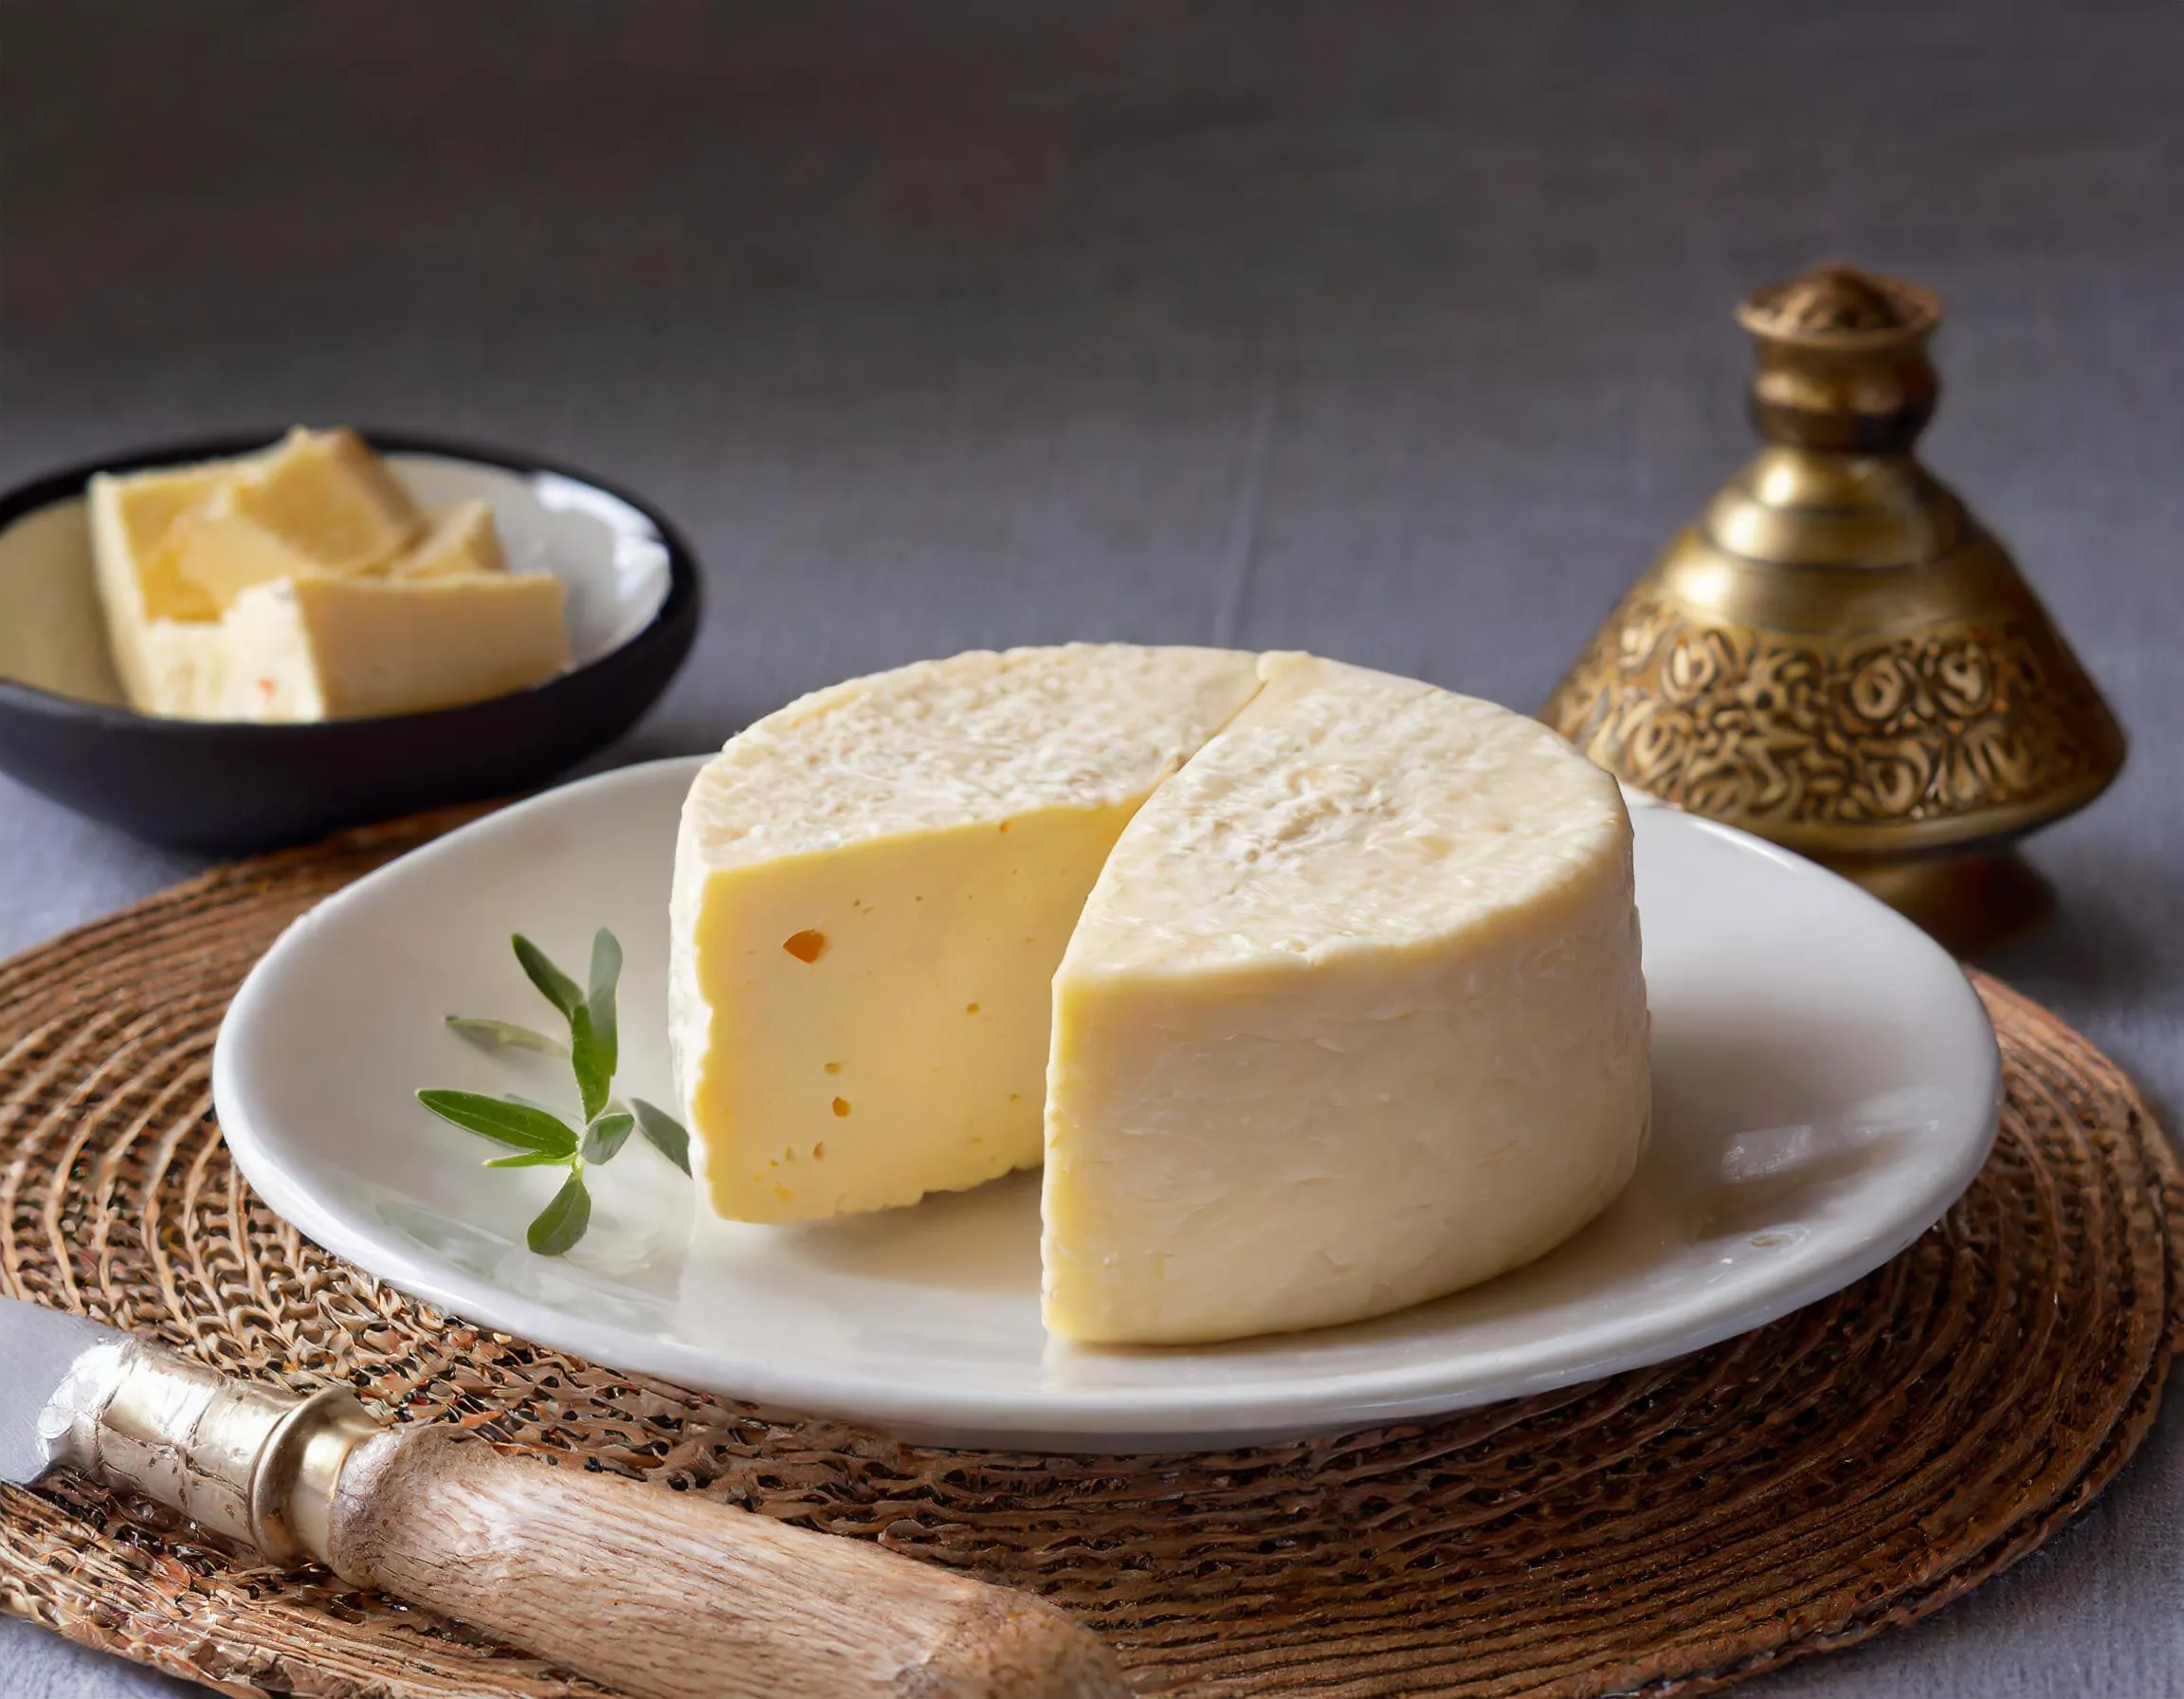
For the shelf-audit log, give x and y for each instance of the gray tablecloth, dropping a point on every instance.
(1398, 332)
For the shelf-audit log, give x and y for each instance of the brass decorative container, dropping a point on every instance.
(1838, 655)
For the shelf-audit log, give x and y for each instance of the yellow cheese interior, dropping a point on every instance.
(344, 648)
(460, 539)
(222, 554)
(328, 497)
(872, 891)
(880, 1012)
(131, 518)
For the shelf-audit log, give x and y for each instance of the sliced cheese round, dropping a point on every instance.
(872, 889)
(1353, 1017)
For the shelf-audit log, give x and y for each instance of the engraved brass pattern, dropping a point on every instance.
(1769, 730)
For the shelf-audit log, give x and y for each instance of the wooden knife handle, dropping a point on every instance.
(664, 1595)
(672, 1596)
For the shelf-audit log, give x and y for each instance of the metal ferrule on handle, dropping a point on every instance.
(253, 1463)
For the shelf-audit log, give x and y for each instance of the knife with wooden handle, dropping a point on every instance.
(663, 1594)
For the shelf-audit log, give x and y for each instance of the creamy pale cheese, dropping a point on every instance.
(1354, 1017)
(325, 495)
(1329, 990)
(138, 585)
(303, 583)
(462, 539)
(872, 889)
(222, 554)
(342, 648)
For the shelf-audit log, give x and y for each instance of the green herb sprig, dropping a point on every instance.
(538, 1137)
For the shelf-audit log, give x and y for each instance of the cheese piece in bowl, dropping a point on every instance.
(1325, 984)
(462, 539)
(304, 583)
(323, 647)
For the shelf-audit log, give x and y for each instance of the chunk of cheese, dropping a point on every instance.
(1353, 1017)
(183, 670)
(130, 515)
(462, 539)
(872, 889)
(222, 555)
(343, 649)
(327, 496)
(295, 584)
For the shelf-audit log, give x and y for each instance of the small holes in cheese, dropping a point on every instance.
(806, 945)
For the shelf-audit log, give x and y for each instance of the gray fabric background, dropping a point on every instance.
(1398, 332)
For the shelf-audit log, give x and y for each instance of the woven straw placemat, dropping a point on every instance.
(1671, 1530)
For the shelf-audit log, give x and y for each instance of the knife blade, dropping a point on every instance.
(664, 1595)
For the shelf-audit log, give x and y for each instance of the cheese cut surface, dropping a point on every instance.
(327, 496)
(460, 539)
(224, 554)
(131, 516)
(1353, 1017)
(872, 889)
(342, 648)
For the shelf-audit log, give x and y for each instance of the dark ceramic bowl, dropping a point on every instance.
(230, 788)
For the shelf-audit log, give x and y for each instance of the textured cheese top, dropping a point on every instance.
(1342, 807)
(976, 737)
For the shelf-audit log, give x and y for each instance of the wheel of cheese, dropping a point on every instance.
(1317, 990)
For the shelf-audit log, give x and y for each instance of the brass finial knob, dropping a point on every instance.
(1838, 655)
(1842, 360)
(1839, 306)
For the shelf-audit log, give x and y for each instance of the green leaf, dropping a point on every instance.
(663, 1133)
(593, 1044)
(607, 1135)
(554, 985)
(561, 1223)
(497, 1034)
(529, 1158)
(518, 1124)
(594, 1075)
(599, 1000)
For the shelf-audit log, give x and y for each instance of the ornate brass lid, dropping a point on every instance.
(1838, 655)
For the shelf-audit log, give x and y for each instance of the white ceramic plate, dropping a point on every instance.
(1825, 1085)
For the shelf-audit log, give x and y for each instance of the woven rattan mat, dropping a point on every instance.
(1853, 1467)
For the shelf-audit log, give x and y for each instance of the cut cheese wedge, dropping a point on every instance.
(222, 555)
(327, 496)
(325, 647)
(460, 539)
(1353, 1017)
(872, 889)
(139, 583)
